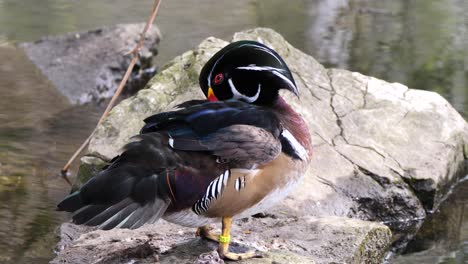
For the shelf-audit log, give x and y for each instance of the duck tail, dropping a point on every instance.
(131, 191)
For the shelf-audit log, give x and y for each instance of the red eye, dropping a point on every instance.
(218, 79)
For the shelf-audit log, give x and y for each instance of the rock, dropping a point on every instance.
(88, 66)
(89, 166)
(69, 232)
(442, 234)
(382, 152)
(315, 240)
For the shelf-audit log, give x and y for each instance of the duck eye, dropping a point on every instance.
(218, 79)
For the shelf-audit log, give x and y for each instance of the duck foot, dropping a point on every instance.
(225, 245)
(205, 232)
(238, 251)
(239, 256)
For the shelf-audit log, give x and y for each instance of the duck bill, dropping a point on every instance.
(211, 96)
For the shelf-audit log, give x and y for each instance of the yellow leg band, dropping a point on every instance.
(224, 239)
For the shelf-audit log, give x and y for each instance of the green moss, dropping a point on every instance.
(89, 167)
(373, 247)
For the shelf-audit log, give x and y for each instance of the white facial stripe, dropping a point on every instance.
(298, 148)
(273, 70)
(291, 84)
(253, 67)
(254, 46)
(211, 72)
(237, 95)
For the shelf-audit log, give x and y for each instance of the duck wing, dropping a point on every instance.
(240, 134)
(172, 163)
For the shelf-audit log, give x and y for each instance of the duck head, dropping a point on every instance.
(248, 71)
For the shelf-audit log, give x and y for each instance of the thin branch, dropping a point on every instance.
(136, 55)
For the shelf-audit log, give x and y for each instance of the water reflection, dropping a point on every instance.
(39, 129)
(421, 43)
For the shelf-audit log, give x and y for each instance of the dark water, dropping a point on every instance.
(422, 43)
(443, 237)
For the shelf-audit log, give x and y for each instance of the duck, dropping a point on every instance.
(232, 155)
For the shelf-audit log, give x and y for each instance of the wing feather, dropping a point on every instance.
(242, 134)
(173, 161)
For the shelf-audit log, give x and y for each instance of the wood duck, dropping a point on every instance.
(231, 156)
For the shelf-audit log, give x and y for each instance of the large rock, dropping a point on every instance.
(89, 65)
(313, 240)
(382, 152)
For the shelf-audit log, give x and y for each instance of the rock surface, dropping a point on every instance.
(383, 152)
(88, 66)
(314, 240)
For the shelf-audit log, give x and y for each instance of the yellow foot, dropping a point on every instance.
(224, 242)
(205, 232)
(239, 256)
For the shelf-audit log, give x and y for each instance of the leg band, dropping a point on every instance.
(224, 239)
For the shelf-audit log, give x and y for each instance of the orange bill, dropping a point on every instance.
(211, 95)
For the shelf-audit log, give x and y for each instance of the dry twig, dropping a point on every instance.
(136, 55)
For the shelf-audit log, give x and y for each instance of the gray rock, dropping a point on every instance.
(383, 152)
(88, 66)
(89, 166)
(313, 240)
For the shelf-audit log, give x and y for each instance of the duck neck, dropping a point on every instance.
(293, 122)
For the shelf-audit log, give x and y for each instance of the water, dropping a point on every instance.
(443, 237)
(422, 43)
(38, 130)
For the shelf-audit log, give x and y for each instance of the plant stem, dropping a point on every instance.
(136, 55)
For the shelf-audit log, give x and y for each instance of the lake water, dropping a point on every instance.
(421, 43)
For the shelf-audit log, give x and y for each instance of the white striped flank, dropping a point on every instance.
(212, 188)
(240, 183)
(298, 148)
(213, 192)
(226, 177)
(219, 185)
(237, 184)
(237, 95)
